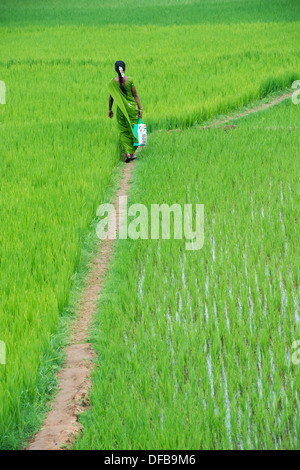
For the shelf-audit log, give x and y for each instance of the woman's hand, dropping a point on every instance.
(110, 114)
(141, 113)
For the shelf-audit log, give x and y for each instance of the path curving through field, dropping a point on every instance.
(62, 424)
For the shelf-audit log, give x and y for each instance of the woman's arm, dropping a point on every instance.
(135, 95)
(110, 103)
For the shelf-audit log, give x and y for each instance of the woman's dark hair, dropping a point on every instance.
(121, 64)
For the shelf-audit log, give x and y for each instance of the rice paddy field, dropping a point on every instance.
(194, 348)
(199, 343)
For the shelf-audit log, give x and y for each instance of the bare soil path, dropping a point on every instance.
(256, 109)
(248, 111)
(62, 424)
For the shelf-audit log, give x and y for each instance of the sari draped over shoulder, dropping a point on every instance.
(127, 113)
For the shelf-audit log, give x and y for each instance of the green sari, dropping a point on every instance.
(127, 113)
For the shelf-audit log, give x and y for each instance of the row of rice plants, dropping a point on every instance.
(158, 12)
(183, 74)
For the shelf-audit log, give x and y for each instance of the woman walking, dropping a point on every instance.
(129, 109)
